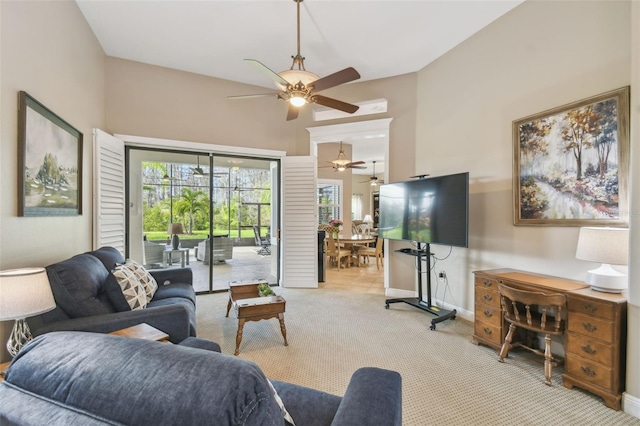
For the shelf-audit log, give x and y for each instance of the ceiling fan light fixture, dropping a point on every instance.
(374, 183)
(341, 168)
(295, 77)
(297, 101)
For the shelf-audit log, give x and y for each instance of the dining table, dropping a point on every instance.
(355, 241)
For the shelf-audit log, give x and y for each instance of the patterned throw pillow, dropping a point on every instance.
(132, 289)
(148, 282)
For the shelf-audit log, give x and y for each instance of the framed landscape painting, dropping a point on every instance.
(571, 163)
(49, 162)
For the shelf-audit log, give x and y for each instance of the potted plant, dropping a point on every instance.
(265, 290)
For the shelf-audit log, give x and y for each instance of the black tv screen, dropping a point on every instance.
(431, 210)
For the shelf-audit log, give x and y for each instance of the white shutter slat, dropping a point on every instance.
(109, 191)
(299, 229)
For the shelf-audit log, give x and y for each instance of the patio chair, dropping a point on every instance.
(263, 243)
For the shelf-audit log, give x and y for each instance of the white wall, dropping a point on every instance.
(538, 56)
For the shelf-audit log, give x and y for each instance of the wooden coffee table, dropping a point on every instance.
(250, 308)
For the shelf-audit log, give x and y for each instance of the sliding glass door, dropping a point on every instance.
(219, 207)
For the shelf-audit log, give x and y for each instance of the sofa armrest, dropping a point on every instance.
(198, 343)
(374, 396)
(172, 276)
(172, 319)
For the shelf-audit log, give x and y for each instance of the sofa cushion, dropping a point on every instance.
(172, 301)
(184, 291)
(109, 256)
(77, 286)
(127, 381)
(148, 282)
(132, 289)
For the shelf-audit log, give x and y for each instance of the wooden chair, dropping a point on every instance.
(366, 252)
(334, 251)
(532, 311)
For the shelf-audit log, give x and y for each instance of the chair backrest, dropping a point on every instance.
(332, 233)
(256, 235)
(533, 310)
(379, 244)
(360, 229)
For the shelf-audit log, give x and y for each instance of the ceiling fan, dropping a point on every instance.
(198, 172)
(300, 86)
(341, 163)
(373, 180)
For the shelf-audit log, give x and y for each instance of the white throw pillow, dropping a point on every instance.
(146, 279)
(131, 287)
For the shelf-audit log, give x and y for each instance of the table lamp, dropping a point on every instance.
(369, 221)
(608, 246)
(23, 293)
(174, 230)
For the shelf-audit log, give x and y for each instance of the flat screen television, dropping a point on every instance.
(432, 210)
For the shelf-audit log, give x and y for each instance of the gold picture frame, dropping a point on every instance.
(571, 163)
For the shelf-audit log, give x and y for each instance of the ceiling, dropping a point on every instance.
(212, 37)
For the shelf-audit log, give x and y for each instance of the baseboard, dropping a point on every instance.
(398, 293)
(631, 404)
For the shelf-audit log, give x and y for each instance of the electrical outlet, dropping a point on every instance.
(442, 276)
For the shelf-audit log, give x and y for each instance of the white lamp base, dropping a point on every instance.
(606, 279)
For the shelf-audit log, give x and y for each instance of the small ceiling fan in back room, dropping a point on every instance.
(373, 180)
(341, 163)
(300, 86)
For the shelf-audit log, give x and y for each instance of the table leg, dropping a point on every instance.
(229, 303)
(239, 335)
(186, 253)
(283, 328)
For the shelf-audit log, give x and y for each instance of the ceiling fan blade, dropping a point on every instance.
(292, 112)
(256, 95)
(335, 79)
(355, 163)
(268, 72)
(356, 167)
(334, 103)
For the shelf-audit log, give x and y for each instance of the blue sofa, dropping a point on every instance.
(68, 378)
(88, 298)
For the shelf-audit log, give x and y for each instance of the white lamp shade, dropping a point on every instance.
(608, 246)
(367, 219)
(603, 245)
(24, 293)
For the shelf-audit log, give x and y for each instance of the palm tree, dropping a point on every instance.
(191, 203)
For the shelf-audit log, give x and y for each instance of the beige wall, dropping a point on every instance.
(48, 51)
(538, 56)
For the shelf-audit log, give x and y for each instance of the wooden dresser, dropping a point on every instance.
(596, 328)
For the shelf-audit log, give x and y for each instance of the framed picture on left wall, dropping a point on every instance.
(49, 162)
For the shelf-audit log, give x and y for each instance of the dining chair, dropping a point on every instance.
(334, 251)
(536, 312)
(366, 252)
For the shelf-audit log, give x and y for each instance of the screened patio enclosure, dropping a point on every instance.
(217, 200)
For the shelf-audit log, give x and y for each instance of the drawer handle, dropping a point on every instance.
(488, 314)
(487, 330)
(487, 283)
(488, 298)
(589, 327)
(588, 349)
(589, 308)
(589, 372)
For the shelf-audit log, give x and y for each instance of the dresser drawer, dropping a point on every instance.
(591, 327)
(592, 308)
(592, 350)
(489, 314)
(486, 283)
(488, 296)
(588, 371)
(488, 331)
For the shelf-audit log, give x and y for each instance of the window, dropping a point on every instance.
(356, 207)
(329, 200)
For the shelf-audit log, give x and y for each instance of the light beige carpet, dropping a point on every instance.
(447, 380)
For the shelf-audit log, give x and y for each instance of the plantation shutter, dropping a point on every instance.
(298, 236)
(108, 191)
